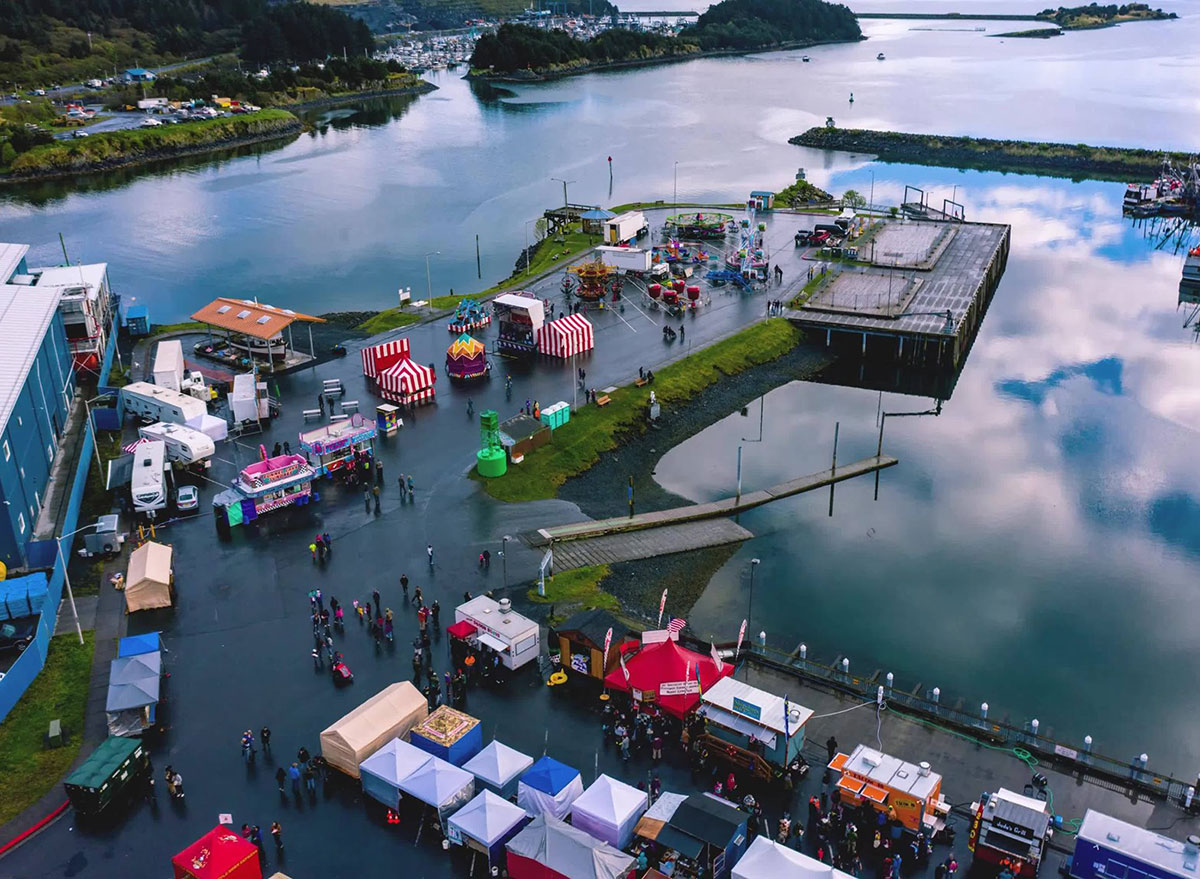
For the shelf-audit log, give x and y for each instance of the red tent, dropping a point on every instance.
(218, 854)
(665, 674)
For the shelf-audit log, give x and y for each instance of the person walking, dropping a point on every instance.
(177, 781)
(418, 598)
(310, 780)
(294, 775)
(264, 736)
(277, 835)
(429, 552)
(281, 780)
(378, 472)
(404, 586)
(169, 778)
(312, 547)
(831, 745)
(316, 658)
(367, 499)
(410, 486)
(375, 494)
(328, 549)
(375, 599)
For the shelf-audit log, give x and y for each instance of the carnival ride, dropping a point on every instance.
(469, 315)
(466, 358)
(675, 252)
(749, 262)
(595, 280)
(699, 225)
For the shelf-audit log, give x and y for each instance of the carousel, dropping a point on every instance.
(594, 280)
(706, 225)
(469, 315)
(466, 359)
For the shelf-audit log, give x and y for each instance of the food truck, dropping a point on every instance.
(913, 793)
(519, 315)
(272, 483)
(751, 727)
(499, 629)
(1106, 847)
(1010, 830)
(337, 445)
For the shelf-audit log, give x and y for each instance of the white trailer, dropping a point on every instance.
(184, 444)
(248, 399)
(148, 483)
(627, 259)
(168, 364)
(626, 227)
(152, 403)
(501, 630)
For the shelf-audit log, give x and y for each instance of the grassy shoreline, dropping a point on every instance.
(1077, 161)
(592, 430)
(116, 149)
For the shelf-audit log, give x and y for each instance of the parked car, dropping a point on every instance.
(818, 238)
(79, 132)
(187, 499)
(17, 634)
(150, 122)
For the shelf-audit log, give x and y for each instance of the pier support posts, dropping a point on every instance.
(890, 680)
(983, 710)
(846, 667)
(936, 696)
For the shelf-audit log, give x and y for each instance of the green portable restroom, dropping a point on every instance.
(106, 774)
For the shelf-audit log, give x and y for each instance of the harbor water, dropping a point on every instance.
(1038, 545)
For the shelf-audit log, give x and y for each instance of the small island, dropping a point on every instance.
(520, 52)
(1073, 18)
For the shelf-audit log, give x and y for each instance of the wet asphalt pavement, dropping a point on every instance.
(239, 636)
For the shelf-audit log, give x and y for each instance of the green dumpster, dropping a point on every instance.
(108, 773)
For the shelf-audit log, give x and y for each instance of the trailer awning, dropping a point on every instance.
(874, 794)
(852, 785)
(489, 640)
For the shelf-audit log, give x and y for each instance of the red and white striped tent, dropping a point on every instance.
(377, 358)
(566, 336)
(406, 382)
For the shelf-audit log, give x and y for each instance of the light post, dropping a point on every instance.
(675, 188)
(66, 578)
(871, 204)
(564, 183)
(504, 558)
(428, 280)
(528, 260)
(754, 563)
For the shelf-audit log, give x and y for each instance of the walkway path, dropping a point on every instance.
(713, 509)
(624, 547)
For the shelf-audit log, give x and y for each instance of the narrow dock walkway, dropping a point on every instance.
(608, 549)
(713, 509)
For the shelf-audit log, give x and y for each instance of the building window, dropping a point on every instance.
(21, 522)
(7, 451)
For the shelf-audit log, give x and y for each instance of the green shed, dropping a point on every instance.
(106, 774)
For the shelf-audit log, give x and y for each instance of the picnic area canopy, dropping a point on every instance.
(387, 715)
(550, 849)
(382, 772)
(148, 577)
(251, 318)
(218, 854)
(608, 810)
(665, 674)
(549, 787)
(498, 765)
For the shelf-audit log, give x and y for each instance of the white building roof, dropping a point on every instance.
(1136, 842)
(10, 257)
(723, 692)
(25, 315)
(891, 772)
(485, 611)
(71, 278)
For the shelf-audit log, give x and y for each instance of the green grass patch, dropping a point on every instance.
(182, 327)
(579, 586)
(139, 144)
(27, 768)
(593, 430)
(391, 319)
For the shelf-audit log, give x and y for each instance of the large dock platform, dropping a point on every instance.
(916, 295)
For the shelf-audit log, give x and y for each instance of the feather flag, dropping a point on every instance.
(624, 670)
(716, 656)
(662, 604)
(741, 634)
(607, 644)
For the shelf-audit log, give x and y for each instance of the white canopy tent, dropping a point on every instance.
(498, 766)
(439, 784)
(549, 787)
(383, 771)
(549, 844)
(608, 810)
(488, 820)
(770, 860)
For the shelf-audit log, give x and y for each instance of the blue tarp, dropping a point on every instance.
(135, 645)
(549, 776)
(22, 596)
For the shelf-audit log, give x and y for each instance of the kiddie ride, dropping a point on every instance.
(699, 225)
(676, 296)
(595, 279)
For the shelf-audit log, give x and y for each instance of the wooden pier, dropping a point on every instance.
(623, 525)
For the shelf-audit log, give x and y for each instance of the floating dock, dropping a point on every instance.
(916, 294)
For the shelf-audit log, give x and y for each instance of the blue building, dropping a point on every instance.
(1108, 848)
(139, 74)
(37, 384)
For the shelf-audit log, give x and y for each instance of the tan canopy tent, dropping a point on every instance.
(387, 715)
(148, 581)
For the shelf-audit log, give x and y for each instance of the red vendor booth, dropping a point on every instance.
(218, 854)
(666, 675)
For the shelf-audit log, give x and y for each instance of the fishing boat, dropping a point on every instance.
(805, 58)
(1191, 268)
(879, 57)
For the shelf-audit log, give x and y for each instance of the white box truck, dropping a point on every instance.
(184, 444)
(626, 227)
(148, 482)
(168, 364)
(627, 259)
(151, 403)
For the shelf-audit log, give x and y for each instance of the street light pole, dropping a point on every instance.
(67, 579)
(871, 206)
(428, 280)
(675, 188)
(754, 563)
(564, 183)
(504, 558)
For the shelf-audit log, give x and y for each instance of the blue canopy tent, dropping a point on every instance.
(135, 645)
(549, 787)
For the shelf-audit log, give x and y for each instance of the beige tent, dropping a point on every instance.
(387, 715)
(149, 578)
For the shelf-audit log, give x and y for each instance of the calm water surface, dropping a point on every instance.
(1039, 545)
